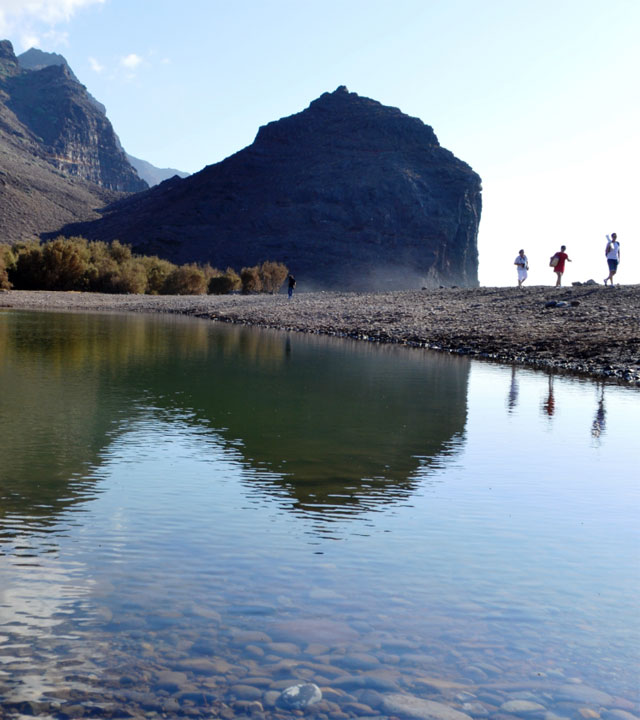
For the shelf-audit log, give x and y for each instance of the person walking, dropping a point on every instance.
(612, 253)
(557, 263)
(291, 285)
(523, 265)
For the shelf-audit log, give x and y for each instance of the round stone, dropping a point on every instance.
(298, 697)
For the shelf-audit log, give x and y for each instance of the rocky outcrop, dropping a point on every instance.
(55, 111)
(348, 193)
(34, 59)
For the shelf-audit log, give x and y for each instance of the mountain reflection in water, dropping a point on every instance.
(193, 515)
(329, 430)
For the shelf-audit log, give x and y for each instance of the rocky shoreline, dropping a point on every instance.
(586, 330)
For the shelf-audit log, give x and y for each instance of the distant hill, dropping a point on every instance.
(348, 193)
(154, 175)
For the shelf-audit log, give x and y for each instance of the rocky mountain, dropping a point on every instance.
(35, 196)
(55, 111)
(348, 193)
(34, 59)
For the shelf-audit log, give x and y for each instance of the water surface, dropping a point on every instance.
(194, 517)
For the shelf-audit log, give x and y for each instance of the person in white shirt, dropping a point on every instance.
(612, 252)
(523, 265)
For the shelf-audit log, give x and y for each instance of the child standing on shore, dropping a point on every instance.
(557, 263)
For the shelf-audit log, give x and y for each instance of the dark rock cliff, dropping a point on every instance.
(36, 197)
(348, 193)
(56, 112)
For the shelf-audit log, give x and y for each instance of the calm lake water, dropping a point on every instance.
(194, 517)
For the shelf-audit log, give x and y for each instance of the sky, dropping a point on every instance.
(540, 97)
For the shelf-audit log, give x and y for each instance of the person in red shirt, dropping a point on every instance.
(559, 267)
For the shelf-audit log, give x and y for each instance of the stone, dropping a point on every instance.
(440, 684)
(170, 680)
(246, 692)
(298, 697)
(620, 715)
(583, 693)
(357, 661)
(589, 713)
(522, 707)
(415, 707)
(475, 709)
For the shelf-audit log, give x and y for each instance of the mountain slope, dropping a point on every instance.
(348, 193)
(59, 157)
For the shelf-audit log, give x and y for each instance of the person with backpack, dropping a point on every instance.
(557, 262)
(612, 253)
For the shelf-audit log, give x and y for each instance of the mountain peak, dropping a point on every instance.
(346, 118)
(8, 61)
(35, 59)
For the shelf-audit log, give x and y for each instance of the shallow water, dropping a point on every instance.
(194, 517)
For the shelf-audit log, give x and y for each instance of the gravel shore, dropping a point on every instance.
(591, 330)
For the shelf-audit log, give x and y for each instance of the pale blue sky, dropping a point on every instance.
(540, 97)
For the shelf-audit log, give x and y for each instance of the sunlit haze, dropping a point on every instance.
(539, 97)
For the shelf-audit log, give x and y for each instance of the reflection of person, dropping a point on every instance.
(291, 285)
(612, 253)
(597, 428)
(512, 398)
(558, 268)
(523, 265)
(549, 405)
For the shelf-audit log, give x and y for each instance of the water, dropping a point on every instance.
(194, 517)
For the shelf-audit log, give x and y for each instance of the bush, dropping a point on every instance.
(273, 274)
(158, 271)
(7, 262)
(28, 272)
(60, 264)
(225, 283)
(185, 280)
(120, 253)
(251, 280)
(129, 277)
(66, 263)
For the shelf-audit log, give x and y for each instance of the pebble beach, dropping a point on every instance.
(587, 330)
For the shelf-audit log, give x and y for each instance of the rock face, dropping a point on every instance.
(35, 196)
(348, 193)
(55, 111)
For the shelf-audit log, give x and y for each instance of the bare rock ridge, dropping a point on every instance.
(34, 59)
(57, 112)
(35, 195)
(349, 193)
